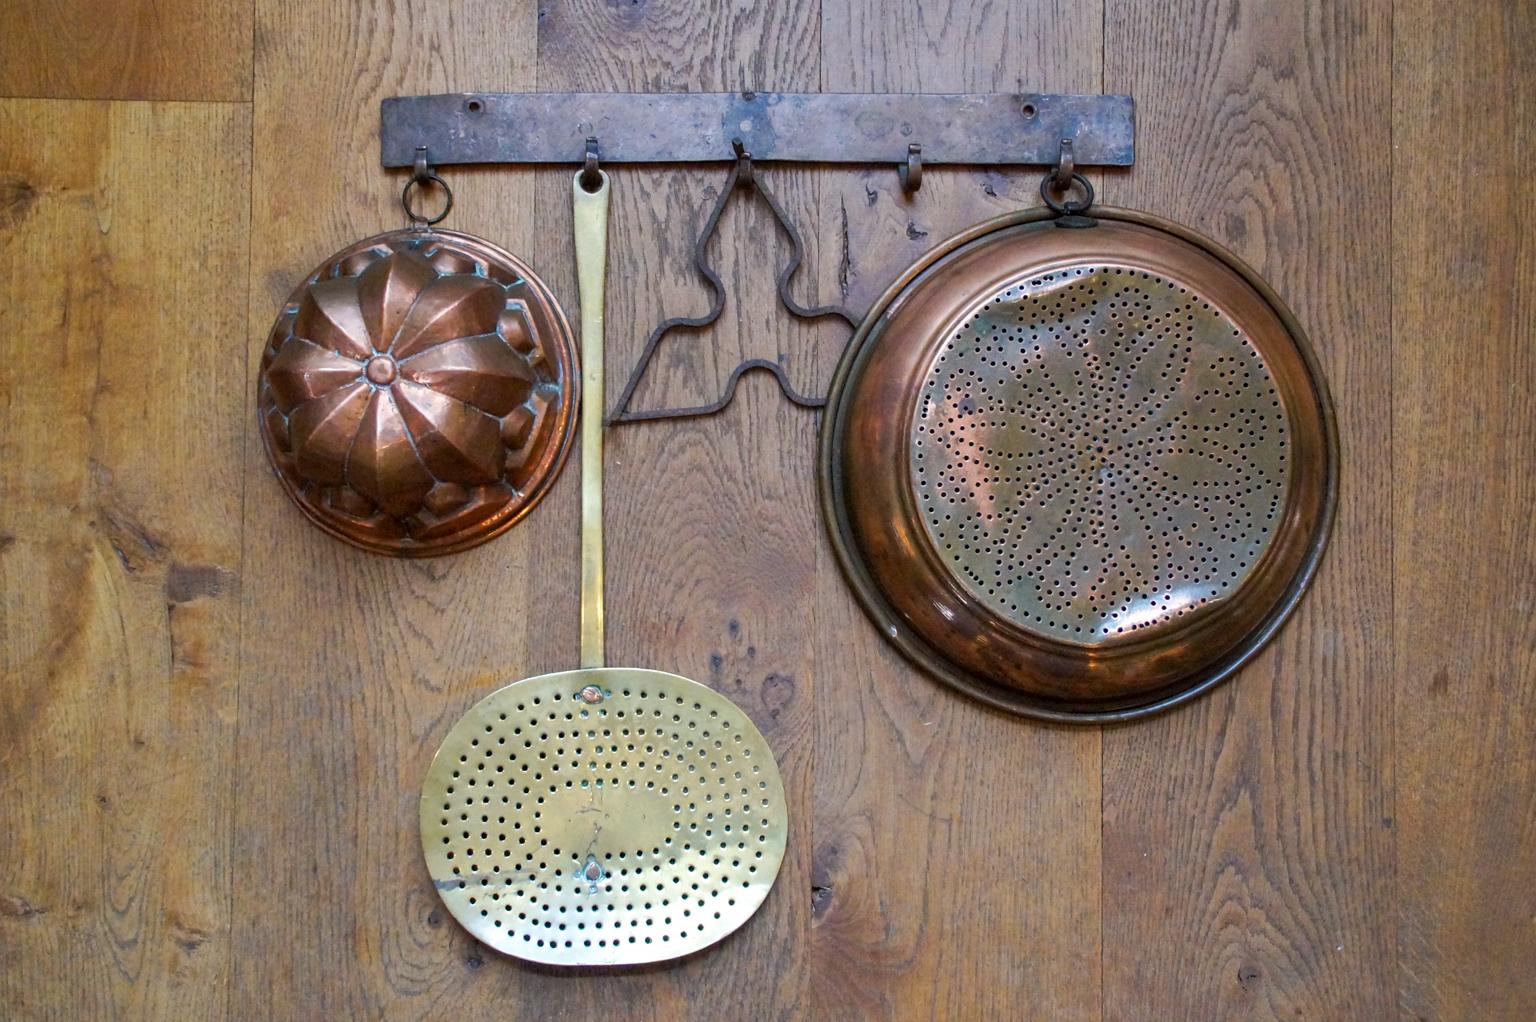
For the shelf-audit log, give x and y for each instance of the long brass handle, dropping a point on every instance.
(590, 216)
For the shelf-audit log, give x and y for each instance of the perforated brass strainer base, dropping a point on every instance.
(608, 816)
(1099, 451)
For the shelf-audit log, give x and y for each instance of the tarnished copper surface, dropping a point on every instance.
(1082, 473)
(418, 392)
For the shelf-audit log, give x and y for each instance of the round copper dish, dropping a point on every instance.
(1081, 470)
(418, 392)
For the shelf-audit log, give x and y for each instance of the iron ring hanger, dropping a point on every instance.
(423, 177)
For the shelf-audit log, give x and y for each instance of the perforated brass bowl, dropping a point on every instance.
(1080, 472)
(607, 816)
(418, 392)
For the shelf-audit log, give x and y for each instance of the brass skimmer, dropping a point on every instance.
(608, 815)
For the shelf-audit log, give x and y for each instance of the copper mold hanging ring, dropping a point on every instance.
(417, 394)
(1079, 465)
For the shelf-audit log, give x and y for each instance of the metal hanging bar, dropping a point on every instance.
(911, 131)
(989, 129)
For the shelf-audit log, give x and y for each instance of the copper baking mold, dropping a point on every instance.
(418, 392)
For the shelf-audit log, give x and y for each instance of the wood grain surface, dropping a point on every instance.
(1268, 127)
(121, 423)
(956, 856)
(214, 720)
(1464, 490)
(127, 49)
(355, 664)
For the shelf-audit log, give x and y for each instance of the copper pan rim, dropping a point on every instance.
(923, 654)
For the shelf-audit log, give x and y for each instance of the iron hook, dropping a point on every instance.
(423, 176)
(591, 176)
(743, 163)
(1066, 167)
(911, 172)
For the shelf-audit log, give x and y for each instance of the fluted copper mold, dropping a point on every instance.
(418, 392)
(1079, 472)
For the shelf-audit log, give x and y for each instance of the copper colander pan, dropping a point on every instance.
(1082, 472)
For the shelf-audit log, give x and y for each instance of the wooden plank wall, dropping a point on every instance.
(214, 720)
(1464, 555)
(123, 242)
(957, 859)
(1261, 818)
